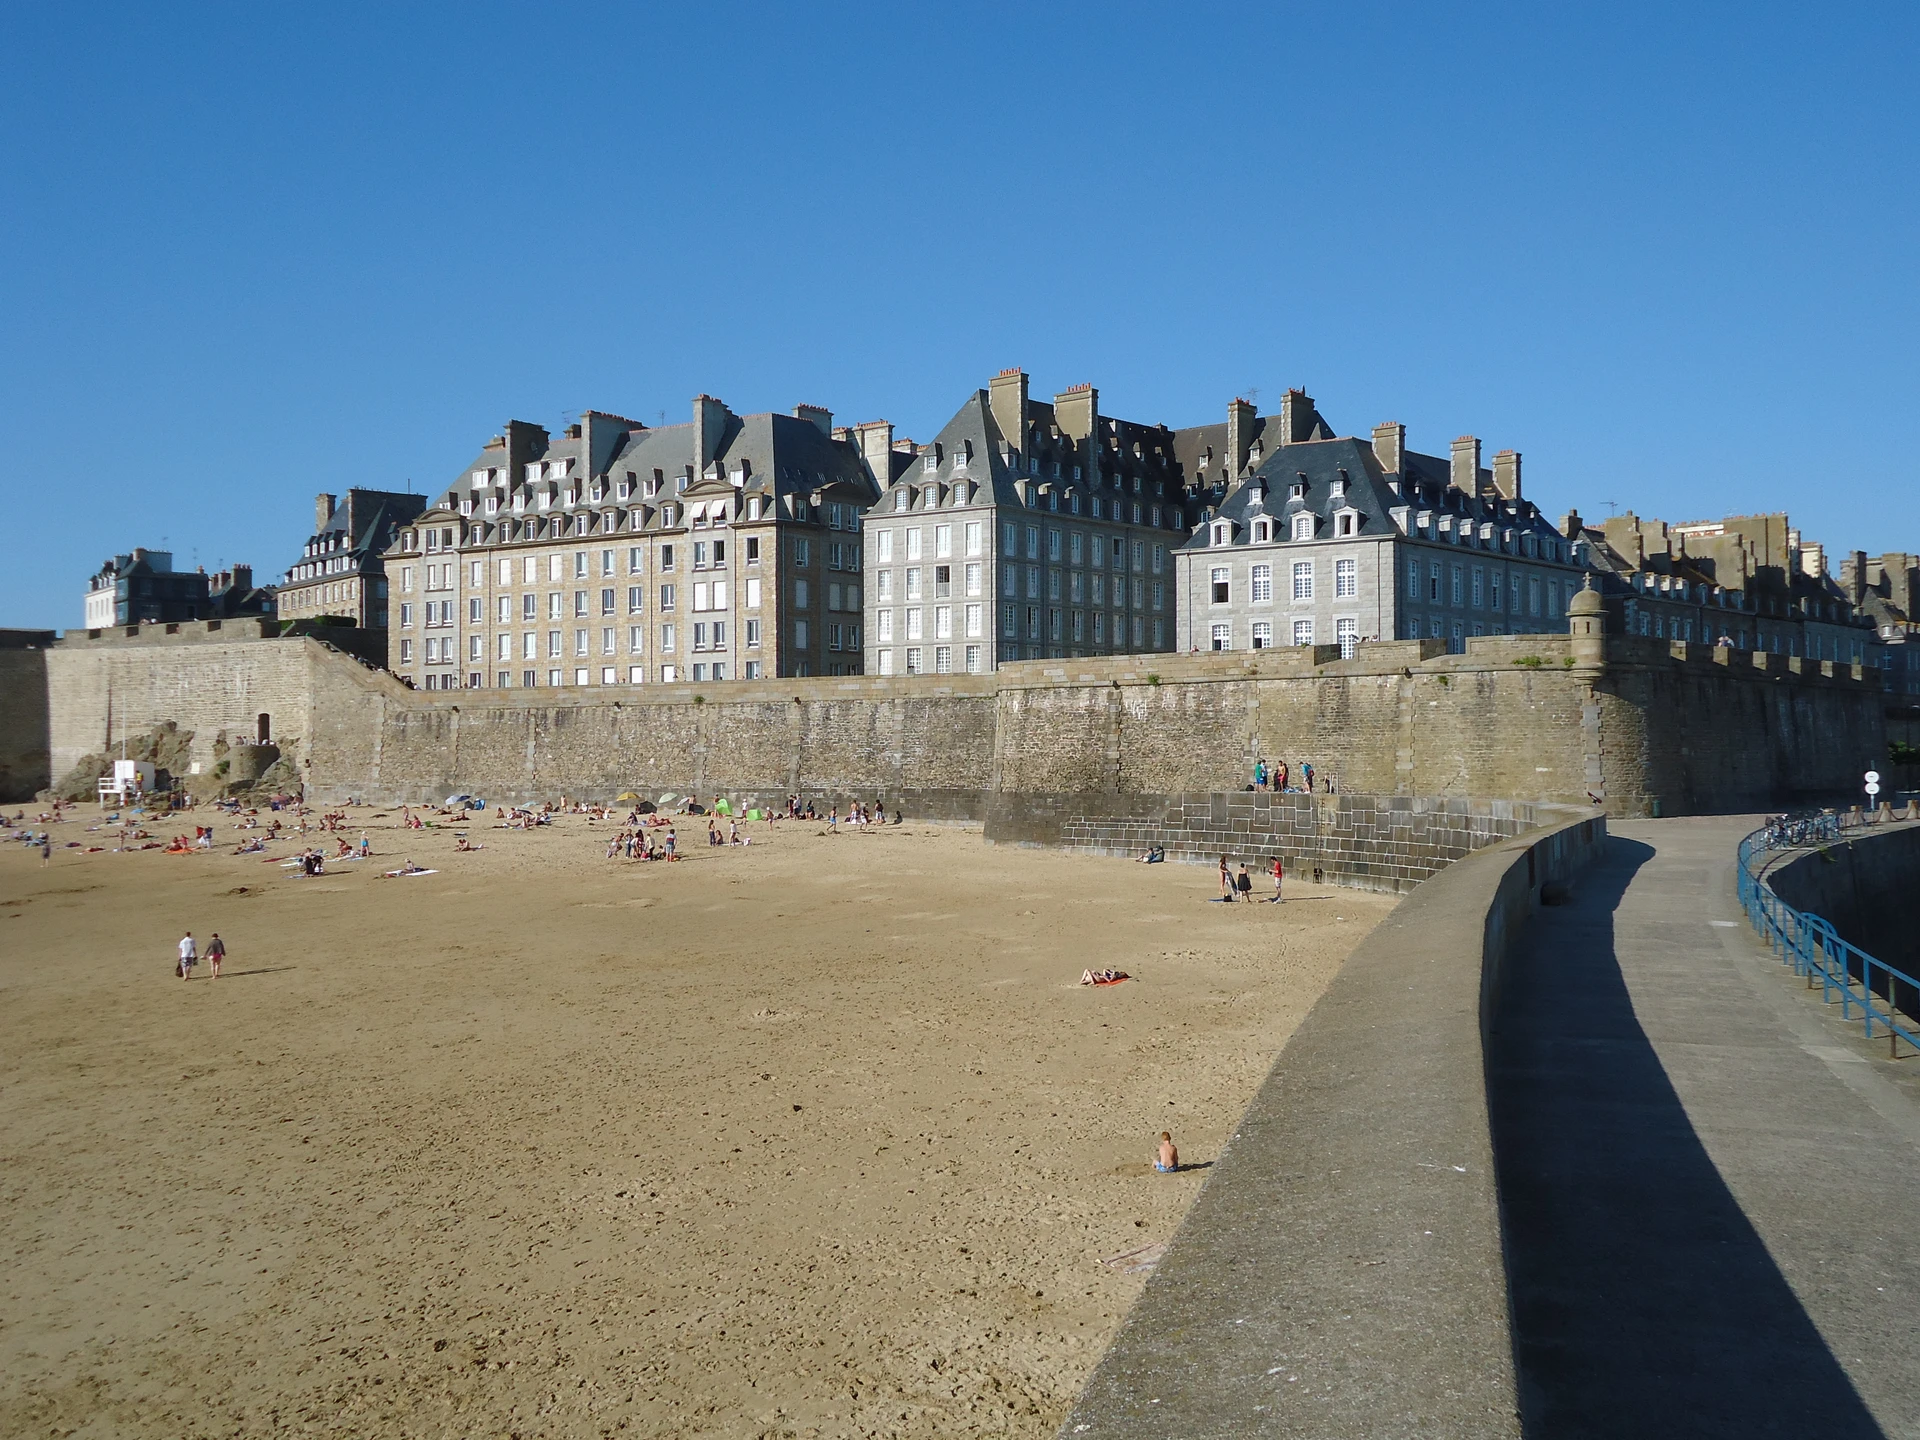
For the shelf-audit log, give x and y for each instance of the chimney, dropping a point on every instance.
(1240, 416)
(709, 430)
(1007, 399)
(1298, 418)
(322, 511)
(876, 449)
(819, 415)
(1466, 465)
(1077, 411)
(1572, 525)
(1506, 474)
(1390, 446)
(242, 578)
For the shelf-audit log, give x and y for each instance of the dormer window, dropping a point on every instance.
(929, 463)
(1223, 533)
(1303, 527)
(1262, 531)
(1345, 523)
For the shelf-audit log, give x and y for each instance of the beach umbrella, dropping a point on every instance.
(627, 795)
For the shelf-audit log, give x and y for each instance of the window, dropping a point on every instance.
(1493, 591)
(579, 642)
(1219, 589)
(474, 615)
(801, 595)
(669, 674)
(974, 620)
(913, 542)
(633, 560)
(943, 622)
(1033, 542)
(1479, 587)
(1303, 632)
(974, 538)
(1533, 595)
(800, 634)
(1433, 582)
(636, 639)
(913, 660)
(753, 545)
(1347, 634)
(1262, 634)
(913, 624)
(580, 565)
(666, 597)
(406, 652)
(606, 599)
(1303, 580)
(942, 541)
(406, 617)
(1262, 589)
(943, 659)
(1459, 587)
(1303, 526)
(974, 576)
(1346, 579)
(666, 638)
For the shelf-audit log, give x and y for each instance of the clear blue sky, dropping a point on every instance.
(249, 253)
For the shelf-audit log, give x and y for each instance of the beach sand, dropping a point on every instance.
(819, 1136)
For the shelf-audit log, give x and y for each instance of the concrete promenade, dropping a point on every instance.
(1709, 1186)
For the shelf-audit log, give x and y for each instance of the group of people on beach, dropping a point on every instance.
(1278, 778)
(1239, 886)
(189, 956)
(638, 844)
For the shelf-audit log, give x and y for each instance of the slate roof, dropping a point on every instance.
(1420, 485)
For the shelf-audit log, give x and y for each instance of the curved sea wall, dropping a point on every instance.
(1865, 887)
(1351, 1228)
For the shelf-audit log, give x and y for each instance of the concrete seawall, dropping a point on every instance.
(1864, 886)
(1342, 1272)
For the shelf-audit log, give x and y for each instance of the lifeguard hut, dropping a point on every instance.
(130, 777)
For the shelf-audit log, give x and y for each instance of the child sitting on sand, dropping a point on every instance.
(1167, 1159)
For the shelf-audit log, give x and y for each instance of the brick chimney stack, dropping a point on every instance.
(1297, 417)
(1506, 474)
(1240, 418)
(818, 414)
(876, 449)
(1466, 465)
(322, 511)
(1007, 399)
(1390, 446)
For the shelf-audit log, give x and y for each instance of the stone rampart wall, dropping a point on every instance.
(1370, 842)
(25, 745)
(1681, 728)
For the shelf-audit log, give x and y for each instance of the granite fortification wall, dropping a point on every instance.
(1673, 727)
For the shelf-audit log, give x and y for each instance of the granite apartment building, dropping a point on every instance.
(1026, 530)
(339, 571)
(725, 548)
(1330, 540)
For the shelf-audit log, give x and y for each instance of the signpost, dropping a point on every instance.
(1873, 785)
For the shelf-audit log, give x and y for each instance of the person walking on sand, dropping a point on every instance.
(1167, 1159)
(1279, 874)
(46, 851)
(1226, 880)
(1243, 883)
(189, 955)
(216, 952)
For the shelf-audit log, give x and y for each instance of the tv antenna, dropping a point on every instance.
(1613, 506)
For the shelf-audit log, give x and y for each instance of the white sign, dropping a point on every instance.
(1873, 787)
(1873, 777)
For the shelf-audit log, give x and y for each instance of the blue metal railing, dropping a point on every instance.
(1813, 948)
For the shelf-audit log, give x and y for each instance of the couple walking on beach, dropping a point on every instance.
(190, 956)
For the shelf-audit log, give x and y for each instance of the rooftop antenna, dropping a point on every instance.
(663, 417)
(1253, 396)
(1613, 506)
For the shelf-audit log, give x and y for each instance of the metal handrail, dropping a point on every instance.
(1817, 952)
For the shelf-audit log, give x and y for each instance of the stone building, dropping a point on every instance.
(142, 587)
(1749, 582)
(338, 573)
(726, 548)
(1328, 540)
(1885, 591)
(1025, 530)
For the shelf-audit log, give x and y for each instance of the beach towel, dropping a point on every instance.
(405, 874)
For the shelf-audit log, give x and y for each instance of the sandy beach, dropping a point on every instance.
(816, 1136)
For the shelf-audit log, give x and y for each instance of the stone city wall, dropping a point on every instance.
(1368, 842)
(26, 766)
(1676, 728)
